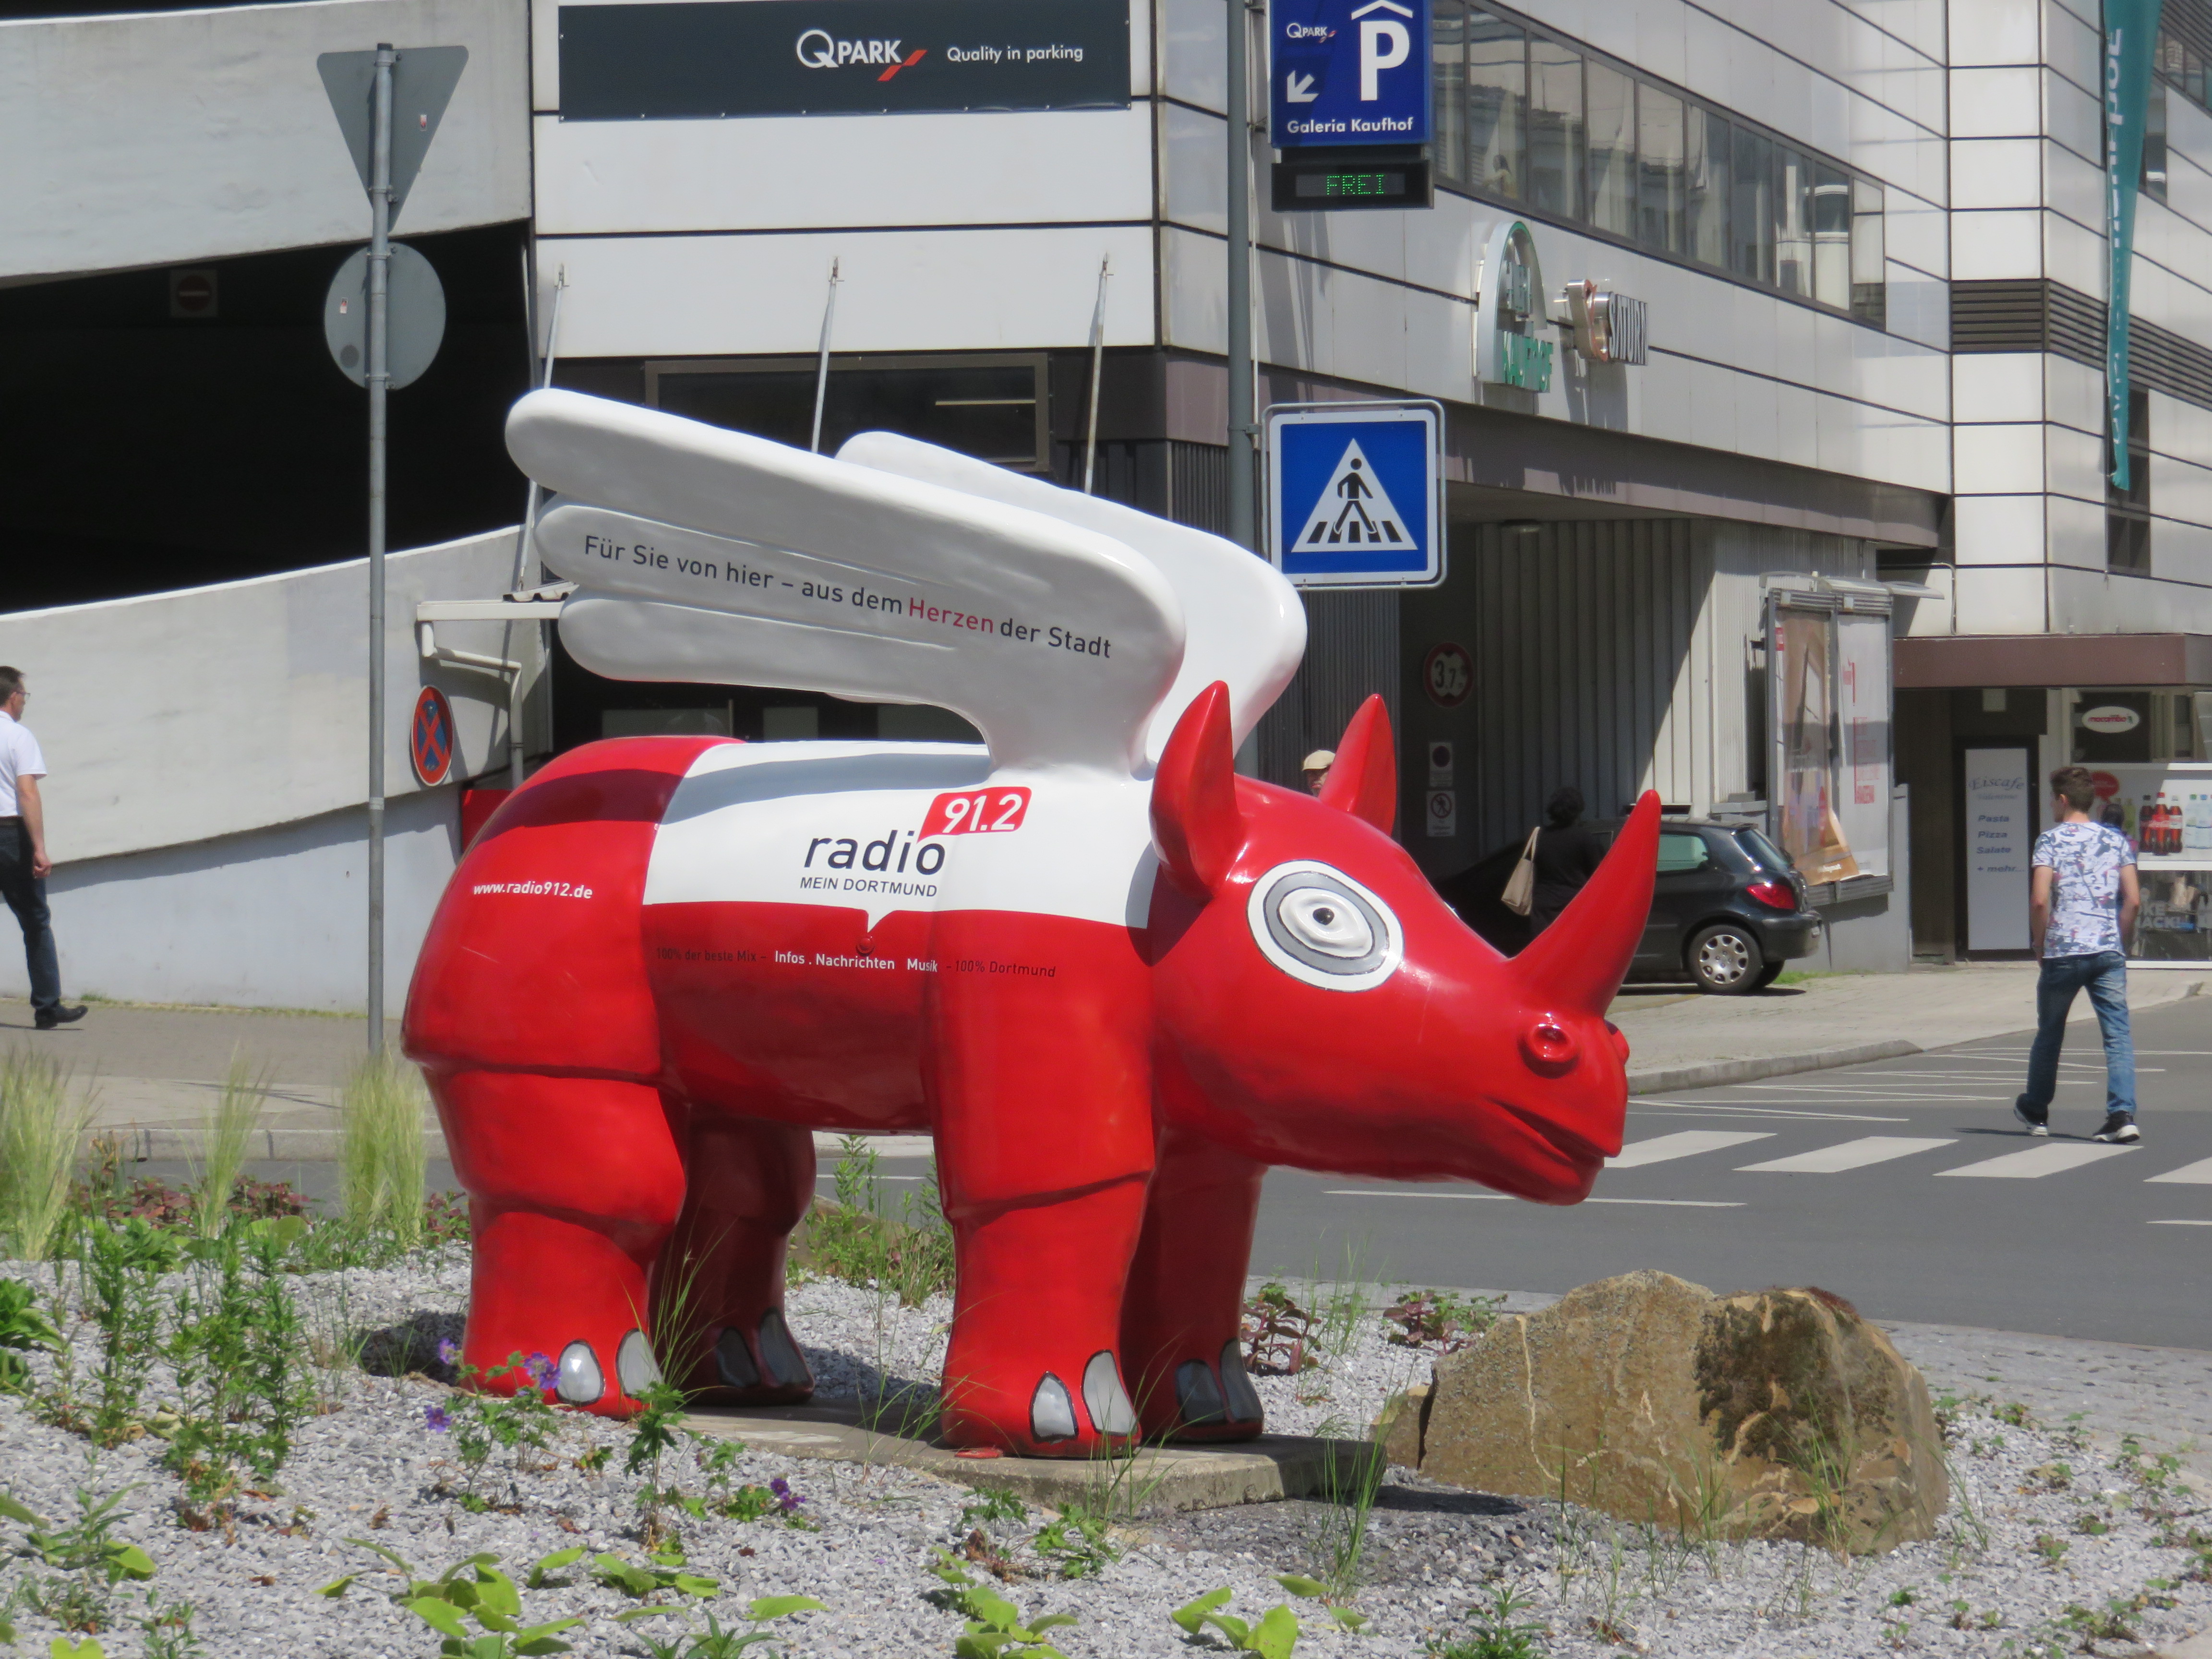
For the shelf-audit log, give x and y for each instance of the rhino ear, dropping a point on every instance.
(1362, 779)
(1196, 823)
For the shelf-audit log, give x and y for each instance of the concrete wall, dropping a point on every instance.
(277, 918)
(166, 137)
(178, 717)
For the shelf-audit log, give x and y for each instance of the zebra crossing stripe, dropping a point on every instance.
(1849, 1155)
(2037, 1162)
(2198, 1174)
(1687, 1143)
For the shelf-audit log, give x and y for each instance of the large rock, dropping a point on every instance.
(1771, 1414)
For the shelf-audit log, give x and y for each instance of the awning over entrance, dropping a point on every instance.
(2024, 659)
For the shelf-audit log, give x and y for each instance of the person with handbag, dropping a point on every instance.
(1560, 857)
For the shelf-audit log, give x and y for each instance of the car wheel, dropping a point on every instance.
(1726, 960)
(1768, 974)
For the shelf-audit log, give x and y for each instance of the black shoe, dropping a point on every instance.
(59, 1014)
(2039, 1123)
(2119, 1130)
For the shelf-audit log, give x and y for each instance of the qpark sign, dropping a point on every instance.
(1348, 72)
(714, 59)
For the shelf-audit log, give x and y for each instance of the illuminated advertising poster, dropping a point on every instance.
(1806, 823)
(1862, 798)
(2166, 812)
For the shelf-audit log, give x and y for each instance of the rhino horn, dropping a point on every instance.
(1579, 961)
(1363, 778)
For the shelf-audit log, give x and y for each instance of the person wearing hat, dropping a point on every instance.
(1316, 769)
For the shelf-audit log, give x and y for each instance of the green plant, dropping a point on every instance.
(521, 1424)
(652, 1437)
(91, 1558)
(2052, 1549)
(665, 1572)
(1350, 1482)
(43, 1122)
(853, 1239)
(1272, 1636)
(23, 1329)
(166, 1630)
(715, 1643)
(995, 1624)
(1076, 1544)
(1439, 1319)
(1499, 1631)
(1277, 1331)
(474, 1588)
(382, 1155)
(62, 1648)
(122, 1268)
(993, 1506)
(227, 1139)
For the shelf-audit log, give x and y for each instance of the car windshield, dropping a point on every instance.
(1755, 842)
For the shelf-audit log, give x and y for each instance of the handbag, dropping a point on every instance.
(1520, 894)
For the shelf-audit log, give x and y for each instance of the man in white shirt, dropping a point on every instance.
(24, 864)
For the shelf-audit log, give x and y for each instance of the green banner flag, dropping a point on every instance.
(2130, 37)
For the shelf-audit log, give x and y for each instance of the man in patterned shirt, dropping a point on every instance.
(2081, 908)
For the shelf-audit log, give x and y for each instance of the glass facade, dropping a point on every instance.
(1529, 118)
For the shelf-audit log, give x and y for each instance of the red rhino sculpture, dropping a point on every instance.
(666, 961)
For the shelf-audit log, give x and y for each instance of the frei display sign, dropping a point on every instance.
(735, 57)
(1347, 72)
(2130, 33)
(1355, 493)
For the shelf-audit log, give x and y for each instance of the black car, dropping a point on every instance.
(1727, 910)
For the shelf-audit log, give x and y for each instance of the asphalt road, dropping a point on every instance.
(1892, 1190)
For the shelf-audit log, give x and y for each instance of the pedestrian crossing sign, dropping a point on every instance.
(1356, 494)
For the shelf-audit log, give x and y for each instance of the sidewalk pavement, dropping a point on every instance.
(156, 1071)
(1689, 1042)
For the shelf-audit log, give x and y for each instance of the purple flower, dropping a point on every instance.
(449, 1352)
(787, 1500)
(543, 1371)
(437, 1419)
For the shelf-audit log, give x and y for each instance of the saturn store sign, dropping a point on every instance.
(707, 60)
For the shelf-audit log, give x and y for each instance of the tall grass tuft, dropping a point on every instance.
(44, 1121)
(227, 1140)
(382, 1152)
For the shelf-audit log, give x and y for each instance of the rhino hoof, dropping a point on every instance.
(1103, 1396)
(635, 1366)
(1244, 1404)
(780, 1355)
(734, 1360)
(1198, 1397)
(1052, 1413)
(581, 1380)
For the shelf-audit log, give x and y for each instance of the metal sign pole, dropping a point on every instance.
(379, 271)
(822, 364)
(1097, 362)
(524, 543)
(1240, 281)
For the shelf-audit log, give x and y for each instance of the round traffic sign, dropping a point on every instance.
(1448, 675)
(430, 736)
(414, 317)
(193, 293)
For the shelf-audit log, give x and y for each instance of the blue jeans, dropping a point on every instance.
(2105, 976)
(25, 895)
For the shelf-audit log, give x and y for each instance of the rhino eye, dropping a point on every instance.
(1320, 926)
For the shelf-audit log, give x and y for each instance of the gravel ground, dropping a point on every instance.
(369, 1468)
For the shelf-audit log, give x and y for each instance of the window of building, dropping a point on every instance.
(2127, 513)
(1526, 119)
(2154, 154)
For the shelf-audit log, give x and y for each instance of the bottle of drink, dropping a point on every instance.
(2154, 830)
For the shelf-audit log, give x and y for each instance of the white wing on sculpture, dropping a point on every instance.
(1247, 626)
(705, 554)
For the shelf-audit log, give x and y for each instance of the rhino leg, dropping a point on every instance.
(573, 1184)
(1179, 1320)
(718, 1291)
(1033, 1367)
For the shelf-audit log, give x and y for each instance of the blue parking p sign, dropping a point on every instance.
(1355, 493)
(1347, 72)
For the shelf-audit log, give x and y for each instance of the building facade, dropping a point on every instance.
(1865, 237)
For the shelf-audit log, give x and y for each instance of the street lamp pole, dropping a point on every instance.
(1241, 428)
(378, 377)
